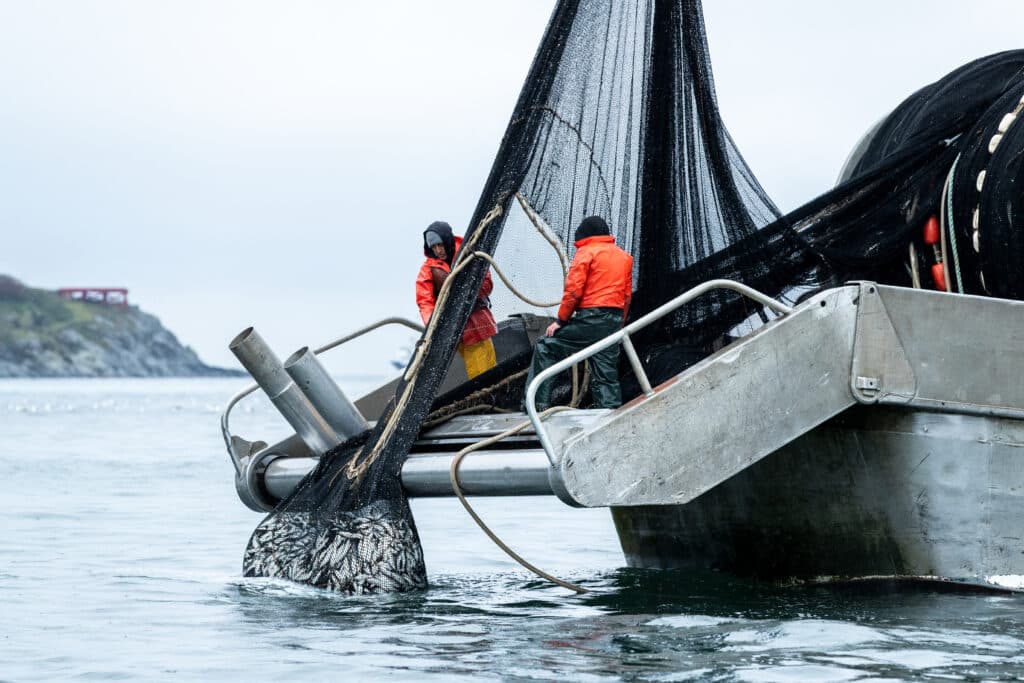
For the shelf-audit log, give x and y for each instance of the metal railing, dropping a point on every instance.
(627, 345)
(224, 418)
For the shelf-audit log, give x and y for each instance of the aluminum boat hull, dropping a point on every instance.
(872, 493)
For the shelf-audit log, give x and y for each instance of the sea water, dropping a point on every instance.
(121, 558)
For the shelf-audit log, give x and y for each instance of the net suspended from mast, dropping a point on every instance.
(618, 118)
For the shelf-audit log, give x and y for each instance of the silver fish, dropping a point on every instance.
(365, 551)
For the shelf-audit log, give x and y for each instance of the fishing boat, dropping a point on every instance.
(869, 432)
(833, 394)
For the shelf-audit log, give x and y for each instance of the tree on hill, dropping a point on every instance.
(10, 288)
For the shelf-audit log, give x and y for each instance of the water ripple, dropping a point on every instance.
(122, 552)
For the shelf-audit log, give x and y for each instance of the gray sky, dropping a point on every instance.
(273, 163)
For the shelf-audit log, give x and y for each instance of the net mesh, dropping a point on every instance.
(618, 118)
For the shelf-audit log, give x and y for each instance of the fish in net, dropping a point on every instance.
(618, 118)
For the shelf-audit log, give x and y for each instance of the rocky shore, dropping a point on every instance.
(43, 335)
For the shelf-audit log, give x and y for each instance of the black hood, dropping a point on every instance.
(444, 231)
(590, 227)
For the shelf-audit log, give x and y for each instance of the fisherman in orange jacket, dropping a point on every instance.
(598, 289)
(476, 347)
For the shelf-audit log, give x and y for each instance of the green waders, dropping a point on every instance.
(586, 326)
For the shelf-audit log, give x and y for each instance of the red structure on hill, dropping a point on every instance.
(110, 296)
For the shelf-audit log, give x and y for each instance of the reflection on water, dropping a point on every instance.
(122, 550)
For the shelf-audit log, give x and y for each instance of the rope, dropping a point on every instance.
(466, 256)
(577, 390)
(469, 410)
(947, 219)
(355, 471)
(538, 223)
(942, 238)
(487, 257)
(915, 267)
(459, 407)
(453, 474)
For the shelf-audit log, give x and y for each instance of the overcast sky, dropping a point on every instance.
(274, 163)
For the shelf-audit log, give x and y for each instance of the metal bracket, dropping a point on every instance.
(867, 384)
(249, 485)
(880, 368)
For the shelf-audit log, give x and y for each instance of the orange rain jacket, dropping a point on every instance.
(601, 275)
(432, 275)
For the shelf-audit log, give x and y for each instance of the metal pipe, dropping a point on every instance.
(416, 327)
(424, 475)
(264, 366)
(326, 396)
(225, 428)
(482, 473)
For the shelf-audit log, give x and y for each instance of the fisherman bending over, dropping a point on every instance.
(598, 289)
(476, 347)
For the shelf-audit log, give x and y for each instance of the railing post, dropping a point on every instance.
(531, 411)
(638, 368)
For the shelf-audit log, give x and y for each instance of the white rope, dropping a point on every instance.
(915, 267)
(539, 304)
(947, 213)
(453, 475)
(538, 223)
(942, 238)
(541, 226)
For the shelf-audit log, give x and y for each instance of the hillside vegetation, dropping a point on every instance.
(43, 335)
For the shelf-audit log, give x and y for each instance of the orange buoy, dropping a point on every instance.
(931, 231)
(939, 276)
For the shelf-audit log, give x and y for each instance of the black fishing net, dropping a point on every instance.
(618, 118)
(972, 185)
